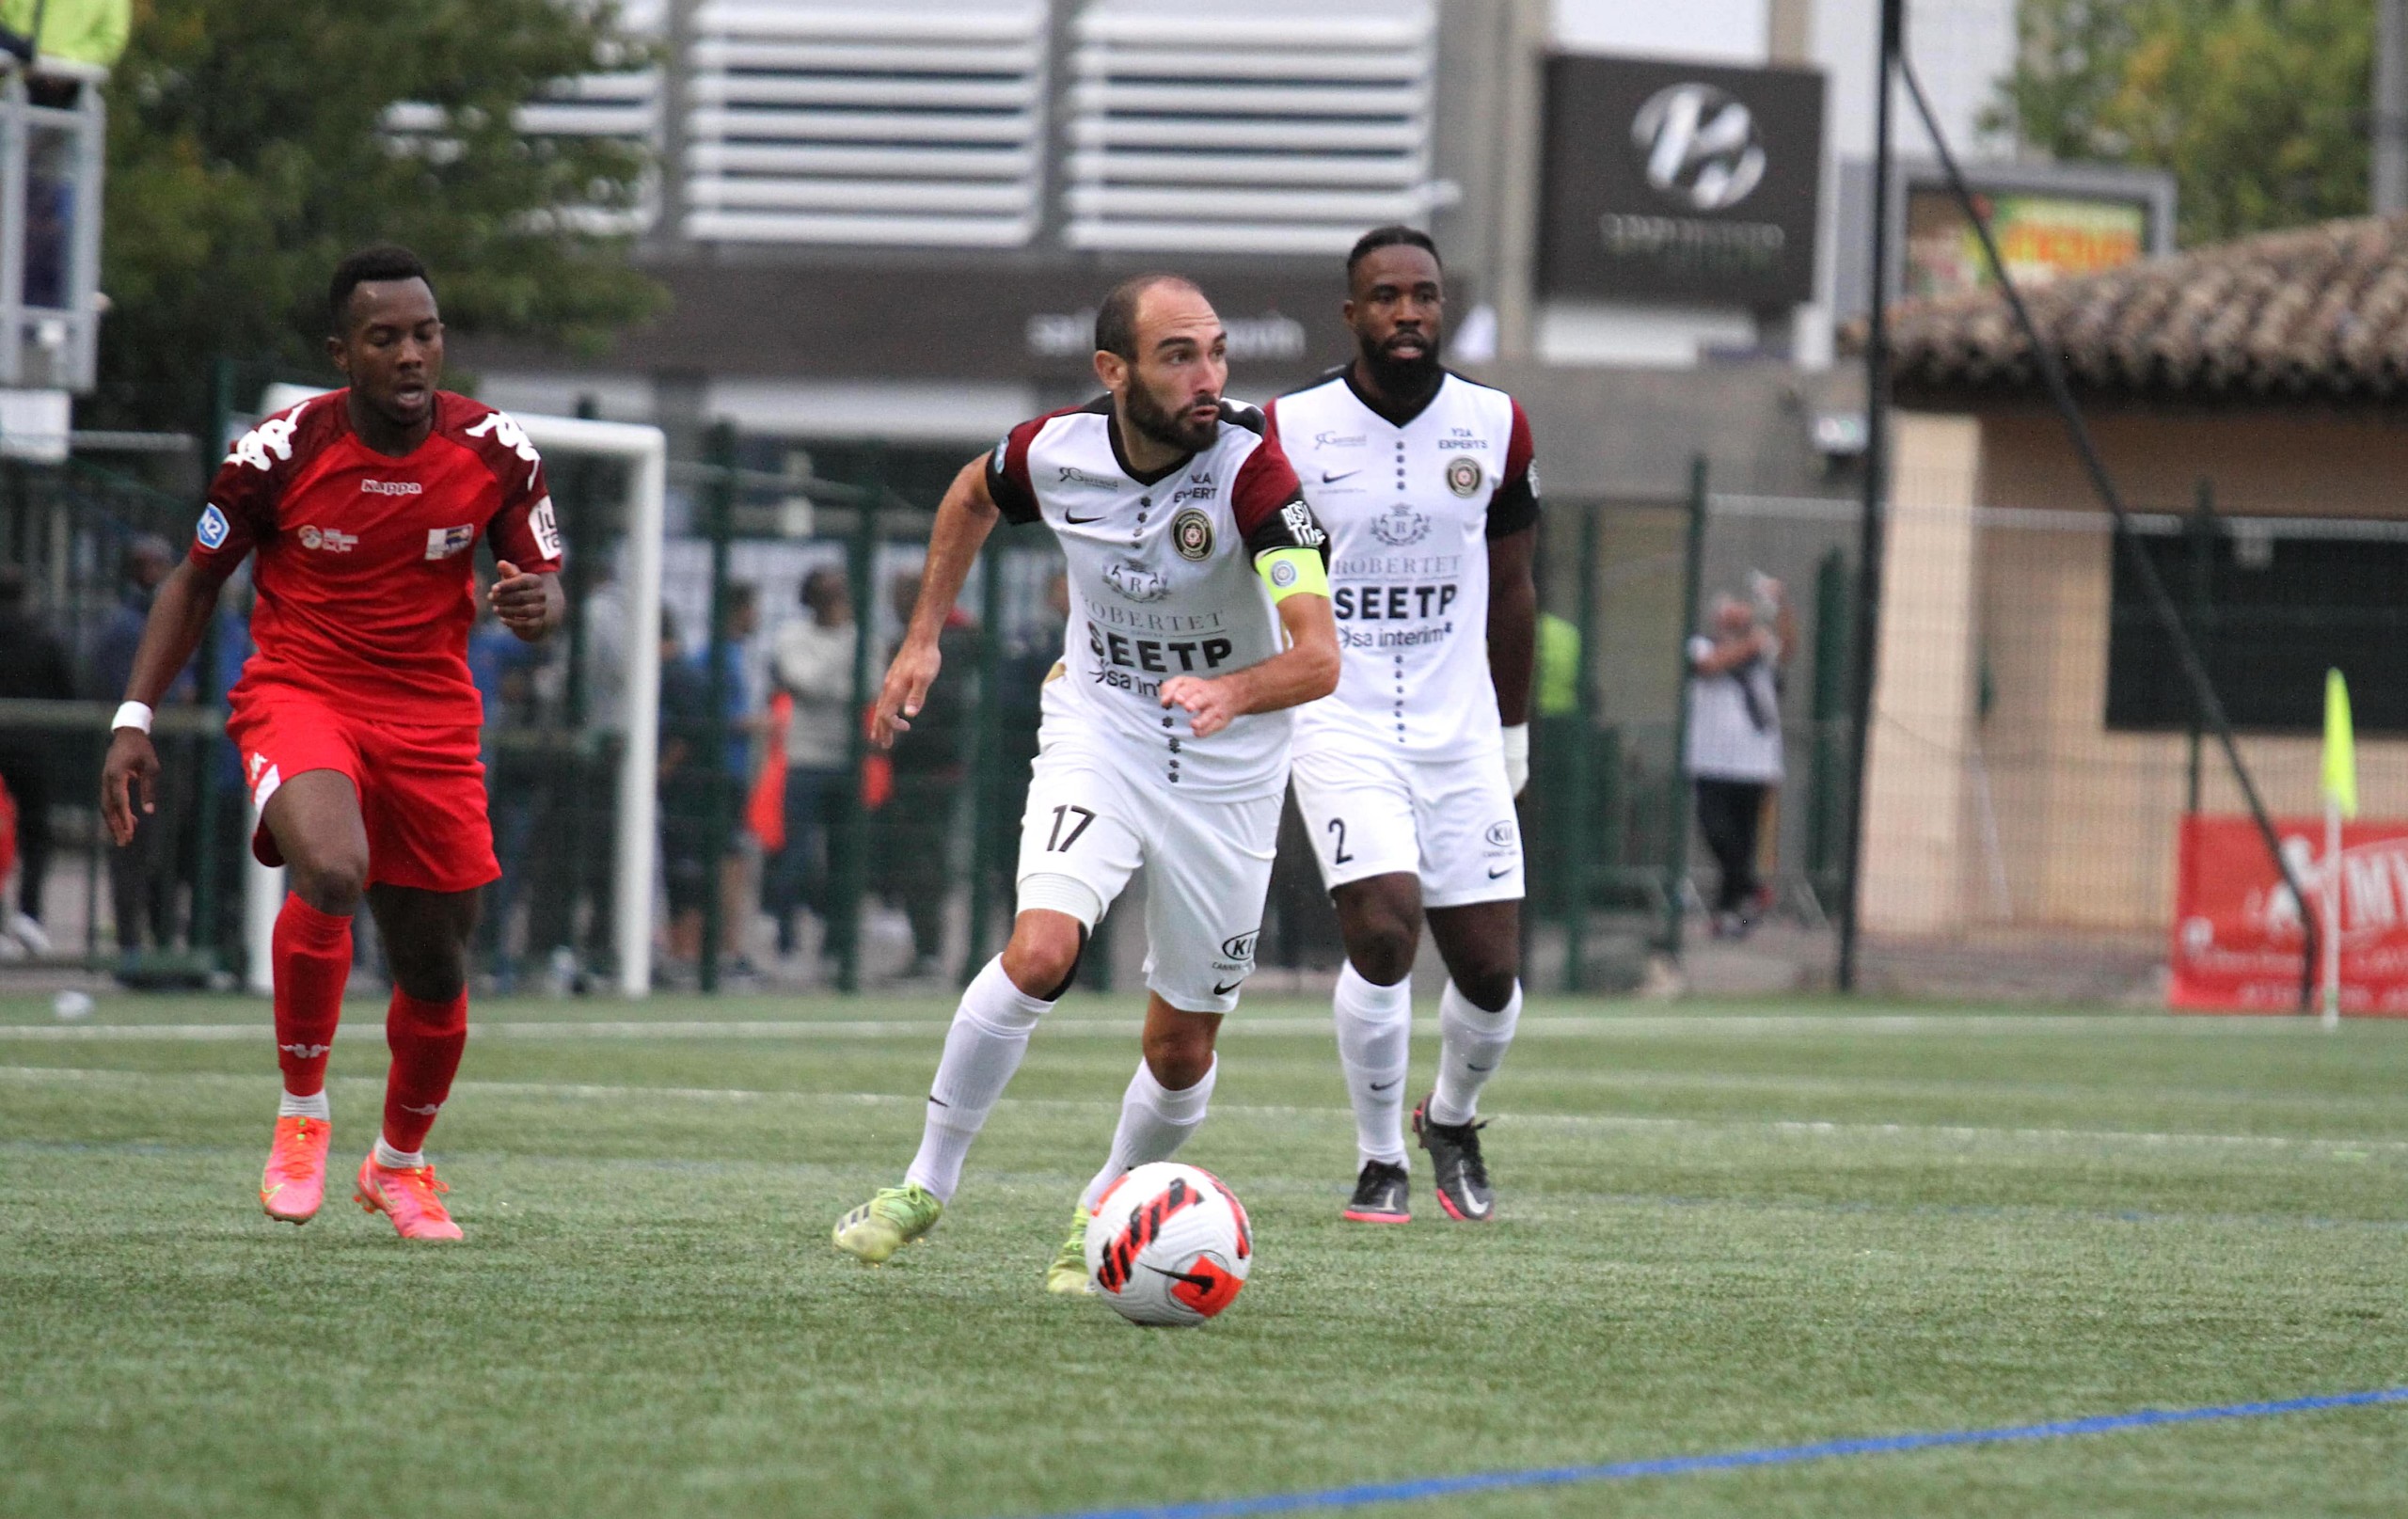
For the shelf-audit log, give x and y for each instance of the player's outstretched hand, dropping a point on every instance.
(522, 601)
(906, 691)
(127, 776)
(1210, 704)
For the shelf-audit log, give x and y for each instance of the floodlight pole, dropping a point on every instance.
(1876, 490)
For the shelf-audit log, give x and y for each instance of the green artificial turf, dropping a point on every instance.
(1721, 1229)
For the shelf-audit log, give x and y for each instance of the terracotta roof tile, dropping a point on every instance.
(2318, 314)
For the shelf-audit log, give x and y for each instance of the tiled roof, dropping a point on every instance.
(2316, 314)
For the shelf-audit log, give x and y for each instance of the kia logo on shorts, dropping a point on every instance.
(1239, 947)
(1698, 145)
(1500, 833)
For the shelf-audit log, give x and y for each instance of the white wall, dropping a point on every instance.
(1720, 31)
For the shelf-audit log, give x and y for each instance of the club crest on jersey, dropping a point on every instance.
(442, 543)
(1463, 476)
(330, 539)
(213, 528)
(1191, 533)
(1399, 525)
(1134, 581)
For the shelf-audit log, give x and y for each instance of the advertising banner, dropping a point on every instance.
(1680, 181)
(2236, 931)
(2042, 237)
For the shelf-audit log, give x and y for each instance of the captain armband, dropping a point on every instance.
(1293, 572)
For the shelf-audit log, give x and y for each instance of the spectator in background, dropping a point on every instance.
(143, 874)
(687, 787)
(33, 667)
(911, 864)
(811, 660)
(1735, 749)
(740, 710)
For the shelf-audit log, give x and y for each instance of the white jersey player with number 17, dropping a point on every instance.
(1406, 778)
(1200, 616)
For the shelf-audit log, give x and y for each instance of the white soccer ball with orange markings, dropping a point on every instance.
(1169, 1245)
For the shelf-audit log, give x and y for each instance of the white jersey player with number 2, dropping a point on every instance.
(1199, 618)
(1406, 778)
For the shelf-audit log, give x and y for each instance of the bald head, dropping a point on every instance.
(1118, 319)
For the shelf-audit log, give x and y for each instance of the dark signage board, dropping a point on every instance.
(971, 320)
(1680, 182)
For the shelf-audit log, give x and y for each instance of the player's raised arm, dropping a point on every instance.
(964, 518)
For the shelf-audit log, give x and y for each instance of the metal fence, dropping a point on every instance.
(2031, 755)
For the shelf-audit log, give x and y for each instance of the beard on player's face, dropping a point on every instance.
(1402, 362)
(1184, 429)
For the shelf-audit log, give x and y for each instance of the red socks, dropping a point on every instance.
(311, 961)
(426, 1039)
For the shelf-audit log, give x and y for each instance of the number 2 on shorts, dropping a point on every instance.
(1055, 842)
(1338, 826)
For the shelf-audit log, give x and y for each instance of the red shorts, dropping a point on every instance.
(421, 786)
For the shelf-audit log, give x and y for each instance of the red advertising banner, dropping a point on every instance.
(2236, 931)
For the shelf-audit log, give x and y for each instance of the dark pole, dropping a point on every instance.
(1876, 490)
(1677, 877)
(2203, 530)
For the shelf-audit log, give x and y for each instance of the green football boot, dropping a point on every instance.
(888, 1222)
(1068, 1275)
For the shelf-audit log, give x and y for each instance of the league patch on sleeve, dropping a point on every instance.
(547, 528)
(213, 528)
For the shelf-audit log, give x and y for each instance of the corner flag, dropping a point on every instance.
(2340, 758)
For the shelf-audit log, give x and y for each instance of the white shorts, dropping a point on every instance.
(1450, 822)
(1207, 866)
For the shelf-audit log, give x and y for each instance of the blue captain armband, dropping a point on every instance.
(1293, 572)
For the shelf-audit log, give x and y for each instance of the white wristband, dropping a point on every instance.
(1517, 757)
(134, 715)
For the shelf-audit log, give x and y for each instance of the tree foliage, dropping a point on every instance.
(249, 150)
(2259, 107)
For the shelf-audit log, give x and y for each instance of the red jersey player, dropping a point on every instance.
(356, 720)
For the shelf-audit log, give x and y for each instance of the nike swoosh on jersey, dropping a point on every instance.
(1081, 522)
(1326, 476)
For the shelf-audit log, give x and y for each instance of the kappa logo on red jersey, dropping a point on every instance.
(329, 540)
(391, 487)
(272, 436)
(442, 543)
(506, 432)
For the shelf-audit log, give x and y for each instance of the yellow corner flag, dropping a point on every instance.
(2340, 758)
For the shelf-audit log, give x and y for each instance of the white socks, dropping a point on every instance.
(1374, 1027)
(398, 1160)
(989, 1034)
(1154, 1122)
(313, 1106)
(1471, 1044)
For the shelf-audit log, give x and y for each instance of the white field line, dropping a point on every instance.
(1652, 1025)
(578, 1091)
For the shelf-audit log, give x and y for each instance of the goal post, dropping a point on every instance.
(645, 452)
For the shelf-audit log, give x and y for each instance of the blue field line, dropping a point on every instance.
(1623, 1471)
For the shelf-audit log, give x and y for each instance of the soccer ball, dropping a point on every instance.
(1169, 1244)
